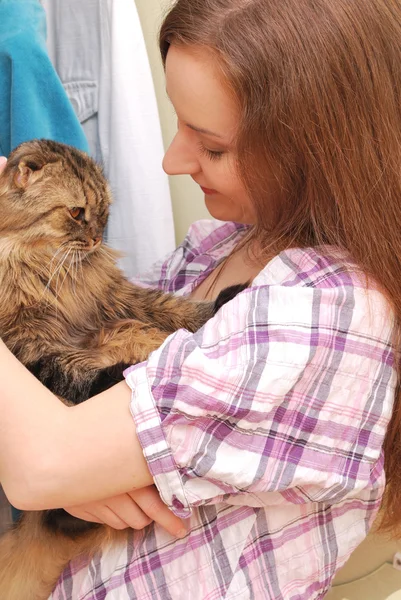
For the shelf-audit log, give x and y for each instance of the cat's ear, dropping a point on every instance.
(28, 172)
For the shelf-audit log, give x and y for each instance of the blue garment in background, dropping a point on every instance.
(33, 103)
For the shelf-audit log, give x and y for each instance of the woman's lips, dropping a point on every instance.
(207, 191)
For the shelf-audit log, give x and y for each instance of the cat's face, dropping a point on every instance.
(53, 196)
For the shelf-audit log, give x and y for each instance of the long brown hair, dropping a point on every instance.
(318, 85)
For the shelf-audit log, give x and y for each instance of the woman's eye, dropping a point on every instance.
(77, 213)
(211, 154)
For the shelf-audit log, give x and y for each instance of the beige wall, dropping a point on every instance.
(188, 203)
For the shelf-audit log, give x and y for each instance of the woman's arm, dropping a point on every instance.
(52, 456)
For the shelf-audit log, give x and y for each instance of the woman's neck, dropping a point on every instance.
(241, 266)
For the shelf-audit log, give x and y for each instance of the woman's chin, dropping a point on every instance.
(219, 212)
(224, 212)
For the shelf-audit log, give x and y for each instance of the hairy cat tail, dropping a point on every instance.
(32, 558)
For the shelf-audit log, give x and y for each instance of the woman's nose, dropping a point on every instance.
(180, 158)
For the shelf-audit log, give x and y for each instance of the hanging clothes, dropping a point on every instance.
(33, 103)
(98, 50)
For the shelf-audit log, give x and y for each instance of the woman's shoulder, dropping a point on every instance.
(322, 279)
(316, 267)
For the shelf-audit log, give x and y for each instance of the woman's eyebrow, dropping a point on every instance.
(204, 131)
(198, 129)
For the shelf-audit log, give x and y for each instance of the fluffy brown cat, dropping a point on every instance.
(68, 313)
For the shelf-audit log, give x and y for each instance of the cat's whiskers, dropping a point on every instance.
(86, 258)
(58, 289)
(75, 263)
(51, 277)
(47, 286)
(73, 270)
(56, 271)
(59, 262)
(81, 269)
(54, 256)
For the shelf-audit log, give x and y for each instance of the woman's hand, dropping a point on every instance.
(3, 162)
(135, 509)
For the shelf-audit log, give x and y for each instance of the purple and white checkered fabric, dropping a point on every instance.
(264, 429)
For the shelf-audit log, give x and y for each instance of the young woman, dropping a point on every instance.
(272, 428)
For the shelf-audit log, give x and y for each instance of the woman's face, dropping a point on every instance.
(207, 126)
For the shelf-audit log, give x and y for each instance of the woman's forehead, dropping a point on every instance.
(194, 85)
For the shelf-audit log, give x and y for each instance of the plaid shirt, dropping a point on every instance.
(264, 429)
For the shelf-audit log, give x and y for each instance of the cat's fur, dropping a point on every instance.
(70, 316)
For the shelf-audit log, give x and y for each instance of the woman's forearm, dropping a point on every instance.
(30, 422)
(53, 456)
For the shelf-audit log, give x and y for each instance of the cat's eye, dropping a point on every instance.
(77, 213)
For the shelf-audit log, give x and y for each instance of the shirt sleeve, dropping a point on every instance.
(284, 395)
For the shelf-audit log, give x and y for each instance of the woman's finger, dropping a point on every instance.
(98, 512)
(83, 515)
(148, 499)
(111, 518)
(128, 511)
(119, 512)
(3, 162)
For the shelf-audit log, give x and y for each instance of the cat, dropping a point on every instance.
(68, 313)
